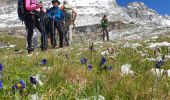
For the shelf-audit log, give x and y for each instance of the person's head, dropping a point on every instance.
(65, 2)
(55, 2)
(104, 17)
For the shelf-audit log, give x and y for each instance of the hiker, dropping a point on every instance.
(56, 18)
(104, 25)
(70, 17)
(29, 11)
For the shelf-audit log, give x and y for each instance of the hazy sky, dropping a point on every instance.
(161, 6)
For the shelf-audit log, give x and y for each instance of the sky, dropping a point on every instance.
(161, 6)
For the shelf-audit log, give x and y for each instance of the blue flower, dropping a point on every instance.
(109, 68)
(159, 64)
(90, 67)
(1, 67)
(83, 60)
(13, 87)
(1, 85)
(103, 61)
(33, 80)
(22, 84)
(44, 62)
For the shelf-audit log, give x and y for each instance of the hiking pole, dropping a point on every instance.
(53, 31)
(74, 27)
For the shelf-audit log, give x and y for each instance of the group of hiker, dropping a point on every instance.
(47, 21)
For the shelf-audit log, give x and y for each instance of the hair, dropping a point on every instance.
(65, 2)
(104, 17)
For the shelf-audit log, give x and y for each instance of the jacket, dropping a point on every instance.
(31, 5)
(56, 14)
(104, 23)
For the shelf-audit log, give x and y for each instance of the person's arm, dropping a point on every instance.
(30, 6)
(75, 15)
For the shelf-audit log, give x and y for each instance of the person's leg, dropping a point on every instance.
(107, 33)
(66, 34)
(53, 34)
(44, 40)
(35, 41)
(47, 28)
(29, 23)
(103, 34)
(70, 29)
(59, 28)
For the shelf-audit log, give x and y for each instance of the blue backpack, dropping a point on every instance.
(22, 12)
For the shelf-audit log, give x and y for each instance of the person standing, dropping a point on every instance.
(104, 25)
(70, 17)
(56, 17)
(32, 20)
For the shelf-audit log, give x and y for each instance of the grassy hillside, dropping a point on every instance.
(65, 78)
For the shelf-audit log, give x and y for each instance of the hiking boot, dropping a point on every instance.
(30, 50)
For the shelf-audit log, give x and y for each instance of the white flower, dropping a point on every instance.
(38, 79)
(126, 69)
(157, 72)
(11, 46)
(104, 53)
(157, 45)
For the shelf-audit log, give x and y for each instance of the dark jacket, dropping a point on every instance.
(104, 23)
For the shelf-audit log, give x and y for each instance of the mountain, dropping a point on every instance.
(135, 17)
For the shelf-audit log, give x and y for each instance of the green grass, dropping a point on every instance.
(67, 79)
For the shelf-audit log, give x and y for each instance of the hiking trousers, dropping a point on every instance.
(105, 34)
(56, 25)
(69, 33)
(31, 22)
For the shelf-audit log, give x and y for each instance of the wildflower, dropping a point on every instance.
(102, 62)
(44, 62)
(159, 64)
(1, 85)
(22, 83)
(21, 86)
(1, 67)
(33, 80)
(109, 68)
(90, 67)
(83, 60)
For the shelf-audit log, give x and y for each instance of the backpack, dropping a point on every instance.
(22, 12)
(68, 13)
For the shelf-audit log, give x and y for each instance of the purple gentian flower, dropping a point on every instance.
(1, 85)
(14, 87)
(103, 61)
(44, 62)
(159, 64)
(22, 84)
(109, 68)
(1, 67)
(83, 60)
(90, 67)
(33, 80)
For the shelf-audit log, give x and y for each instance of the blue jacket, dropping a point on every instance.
(55, 12)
